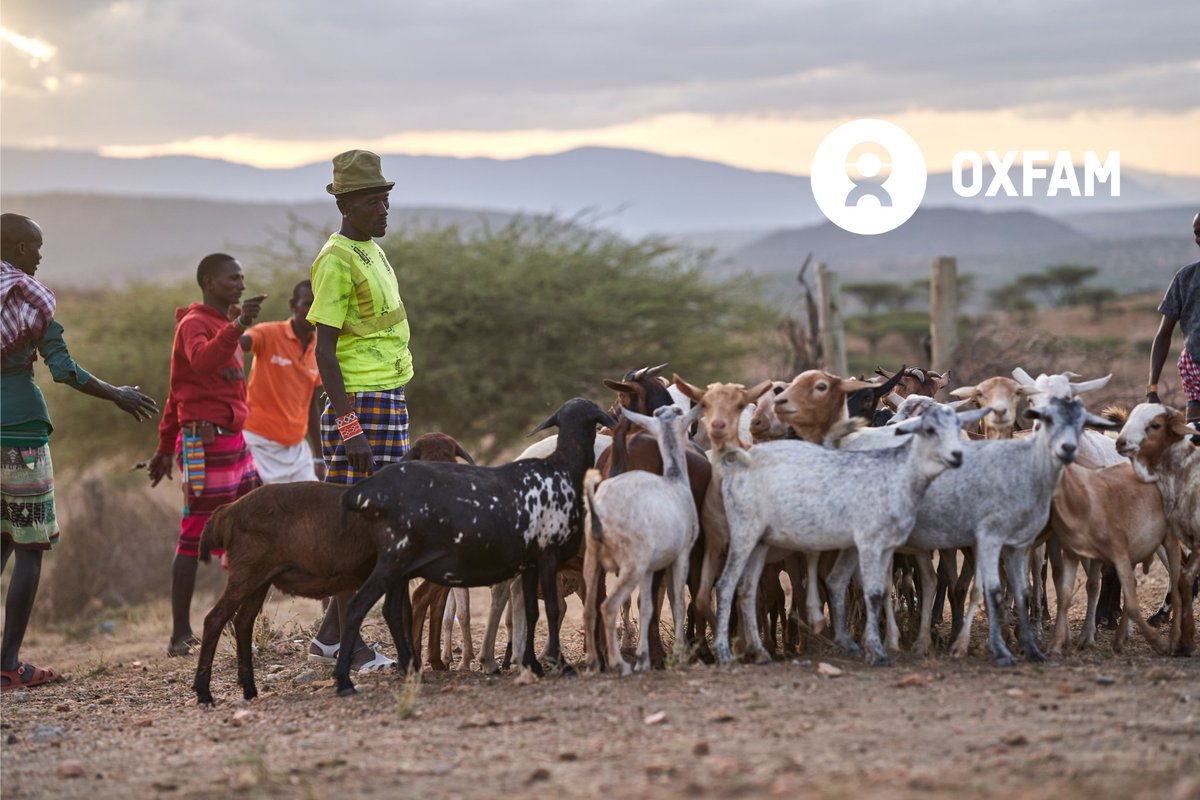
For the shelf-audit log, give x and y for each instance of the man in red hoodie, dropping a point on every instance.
(202, 423)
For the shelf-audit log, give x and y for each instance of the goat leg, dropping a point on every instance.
(243, 626)
(487, 658)
(528, 659)
(214, 623)
(362, 601)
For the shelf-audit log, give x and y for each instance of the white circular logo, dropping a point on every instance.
(868, 176)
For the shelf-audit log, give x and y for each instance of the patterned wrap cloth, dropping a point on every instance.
(384, 420)
(26, 307)
(27, 517)
(1189, 373)
(228, 473)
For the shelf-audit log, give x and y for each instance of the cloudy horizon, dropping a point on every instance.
(279, 83)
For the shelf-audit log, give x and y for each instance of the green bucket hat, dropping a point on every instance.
(356, 170)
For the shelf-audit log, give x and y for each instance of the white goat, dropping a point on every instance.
(638, 523)
(998, 503)
(801, 496)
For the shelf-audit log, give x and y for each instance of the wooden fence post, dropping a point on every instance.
(833, 335)
(943, 311)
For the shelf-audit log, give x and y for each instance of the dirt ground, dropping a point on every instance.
(125, 724)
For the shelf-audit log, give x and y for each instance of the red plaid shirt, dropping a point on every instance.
(27, 307)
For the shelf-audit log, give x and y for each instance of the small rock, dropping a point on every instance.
(568, 756)
(1014, 692)
(22, 696)
(107, 700)
(143, 723)
(47, 733)
(11, 739)
(829, 670)
(305, 676)
(245, 780)
(657, 768)
(1105, 680)
(526, 678)
(1014, 739)
(721, 716)
(136, 664)
(1065, 689)
(63, 707)
(912, 679)
(721, 766)
(71, 769)
(700, 748)
(275, 668)
(656, 718)
(107, 626)
(539, 774)
(241, 717)
(1155, 674)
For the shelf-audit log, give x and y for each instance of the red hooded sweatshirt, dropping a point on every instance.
(208, 381)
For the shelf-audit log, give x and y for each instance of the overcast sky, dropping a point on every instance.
(280, 82)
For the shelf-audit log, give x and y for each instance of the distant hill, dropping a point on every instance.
(630, 191)
(94, 240)
(995, 246)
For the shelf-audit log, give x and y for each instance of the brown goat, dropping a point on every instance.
(291, 536)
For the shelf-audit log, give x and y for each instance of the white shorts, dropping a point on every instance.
(280, 463)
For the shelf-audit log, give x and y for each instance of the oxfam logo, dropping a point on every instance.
(868, 176)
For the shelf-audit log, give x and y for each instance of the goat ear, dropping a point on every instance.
(550, 422)
(607, 420)
(1023, 377)
(957, 404)
(692, 415)
(849, 385)
(620, 386)
(966, 418)
(1088, 386)
(756, 391)
(1032, 413)
(940, 381)
(908, 426)
(693, 392)
(463, 454)
(965, 392)
(1179, 425)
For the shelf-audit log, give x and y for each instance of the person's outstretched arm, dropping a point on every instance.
(1158, 356)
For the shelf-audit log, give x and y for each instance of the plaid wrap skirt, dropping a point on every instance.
(384, 420)
(1189, 374)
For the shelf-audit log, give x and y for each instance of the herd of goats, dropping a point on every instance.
(722, 489)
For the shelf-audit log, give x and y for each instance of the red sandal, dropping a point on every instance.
(26, 676)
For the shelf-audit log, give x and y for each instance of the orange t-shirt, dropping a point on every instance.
(282, 379)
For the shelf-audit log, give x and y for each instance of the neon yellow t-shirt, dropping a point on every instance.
(355, 291)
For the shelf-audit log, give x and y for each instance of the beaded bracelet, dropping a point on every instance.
(348, 426)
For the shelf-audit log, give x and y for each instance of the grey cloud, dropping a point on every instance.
(307, 68)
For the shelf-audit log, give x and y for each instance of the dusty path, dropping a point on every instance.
(125, 725)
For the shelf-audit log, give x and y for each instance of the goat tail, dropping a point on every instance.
(590, 481)
(211, 538)
(1115, 413)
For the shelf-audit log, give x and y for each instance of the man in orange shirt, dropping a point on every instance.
(282, 393)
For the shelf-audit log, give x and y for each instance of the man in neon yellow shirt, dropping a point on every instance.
(362, 352)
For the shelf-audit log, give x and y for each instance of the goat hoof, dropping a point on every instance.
(349, 691)
(1035, 656)
(205, 703)
(1005, 661)
(569, 672)
(250, 694)
(878, 660)
(1184, 650)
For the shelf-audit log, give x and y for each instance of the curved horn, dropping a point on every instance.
(1023, 377)
(648, 372)
(463, 454)
(886, 387)
(550, 422)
